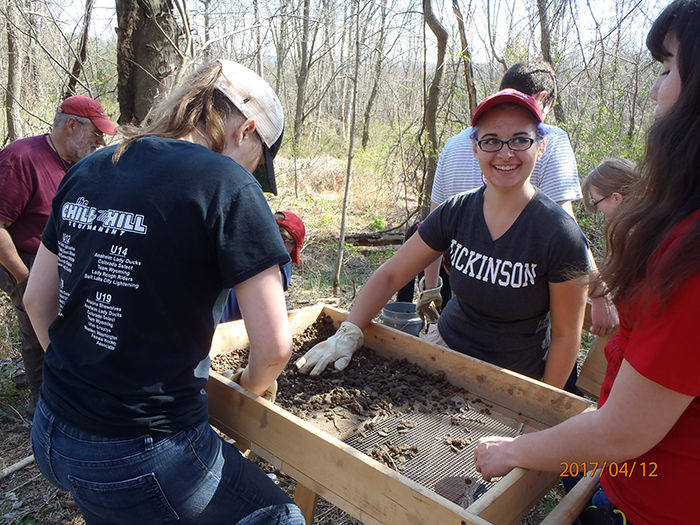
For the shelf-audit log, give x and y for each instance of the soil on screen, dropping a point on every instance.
(334, 402)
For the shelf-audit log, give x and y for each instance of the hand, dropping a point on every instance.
(491, 458)
(338, 348)
(429, 301)
(270, 394)
(604, 317)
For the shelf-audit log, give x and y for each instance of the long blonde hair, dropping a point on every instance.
(611, 176)
(197, 102)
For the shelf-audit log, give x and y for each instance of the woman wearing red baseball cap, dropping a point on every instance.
(517, 260)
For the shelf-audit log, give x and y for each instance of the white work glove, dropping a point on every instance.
(271, 392)
(338, 348)
(426, 300)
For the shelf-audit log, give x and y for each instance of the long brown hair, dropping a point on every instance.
(197, 102)
(669, 189)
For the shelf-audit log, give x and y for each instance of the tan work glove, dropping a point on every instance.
(271, 392)
(429, 301)
(338, 348)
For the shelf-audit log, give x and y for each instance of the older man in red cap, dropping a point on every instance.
(30, 171)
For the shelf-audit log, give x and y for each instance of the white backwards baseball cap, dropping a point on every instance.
(256, 100)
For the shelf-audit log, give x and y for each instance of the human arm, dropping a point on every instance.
(567, 305)
(9, 257)
(262, 303)
(604, 316)
(634, 419)
(567, 207)
(41, 296)
(397, 271)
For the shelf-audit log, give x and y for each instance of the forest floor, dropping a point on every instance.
(28, 499)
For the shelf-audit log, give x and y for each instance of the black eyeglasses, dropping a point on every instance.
(595, 203)
(492, 145)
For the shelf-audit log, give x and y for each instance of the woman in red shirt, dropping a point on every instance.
(648, 422)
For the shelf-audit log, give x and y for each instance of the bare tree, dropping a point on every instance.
(492, 37)
(546, 43)
(379, 51)
(306, 54)
(82, 51)
(432, 150)
(16, 52)
(465, 54)
(148, 57)
(351, 152)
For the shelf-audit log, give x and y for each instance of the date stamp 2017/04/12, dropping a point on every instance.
(627, 469)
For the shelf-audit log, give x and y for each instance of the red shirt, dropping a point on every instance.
(664, 348)
(30, 171)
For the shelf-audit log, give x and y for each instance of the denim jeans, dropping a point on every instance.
(191, 477)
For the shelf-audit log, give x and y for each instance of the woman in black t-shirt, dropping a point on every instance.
(142, 245)
(516, 258)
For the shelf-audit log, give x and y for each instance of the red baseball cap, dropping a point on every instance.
(506, 96)
(295, 226)
(82, 106)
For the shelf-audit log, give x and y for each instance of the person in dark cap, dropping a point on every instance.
(144, 240)
(30, 171)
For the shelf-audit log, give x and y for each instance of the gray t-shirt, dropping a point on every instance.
(500, 309)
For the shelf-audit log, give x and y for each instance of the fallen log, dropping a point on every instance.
(374, 238)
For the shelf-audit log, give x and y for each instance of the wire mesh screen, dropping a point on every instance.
(435, 450)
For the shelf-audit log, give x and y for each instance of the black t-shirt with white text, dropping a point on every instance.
(147, 250)
(500, 311)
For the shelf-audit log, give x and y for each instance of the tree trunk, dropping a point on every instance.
(342, 114)
(258, 41)
(207, 29)
(147, 56)
(431, 105)
(466, 58)
(377, 78)
(303, 74)
(15, 57)
(546, 48)
(281, 46)
(82, 52)
(351, 152)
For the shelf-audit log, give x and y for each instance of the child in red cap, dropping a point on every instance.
(293, 232)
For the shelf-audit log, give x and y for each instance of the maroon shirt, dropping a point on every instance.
(30, 171)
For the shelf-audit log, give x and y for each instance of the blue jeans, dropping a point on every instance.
(191, 477)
